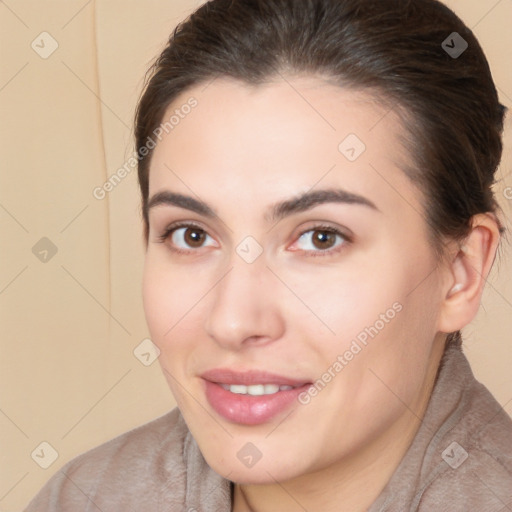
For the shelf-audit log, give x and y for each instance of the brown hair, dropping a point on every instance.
(393, 48)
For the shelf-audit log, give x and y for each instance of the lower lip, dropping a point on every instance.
(249, 409)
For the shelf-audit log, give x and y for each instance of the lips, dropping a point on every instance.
(250, 398)
(253, 377)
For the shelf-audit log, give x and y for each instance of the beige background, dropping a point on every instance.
(68, 375)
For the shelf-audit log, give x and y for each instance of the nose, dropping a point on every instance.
(244, 308)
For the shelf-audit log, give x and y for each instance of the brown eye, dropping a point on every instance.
(194, 237)
(188, 237)
(323, 239)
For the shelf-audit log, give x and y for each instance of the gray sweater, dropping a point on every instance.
(459, 461)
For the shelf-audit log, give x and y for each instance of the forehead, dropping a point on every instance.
(269, 139)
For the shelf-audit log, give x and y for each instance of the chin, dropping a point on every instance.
(260, 473)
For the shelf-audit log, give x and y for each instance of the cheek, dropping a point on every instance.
(172, 299)
(346, 301)
(376, 363)
(398, 337)
(168, 294)
(157, 303)
(159, 293)
(378, 307)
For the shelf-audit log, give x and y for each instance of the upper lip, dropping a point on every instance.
(248, 378)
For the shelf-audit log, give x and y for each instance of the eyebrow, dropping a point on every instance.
(278, 211)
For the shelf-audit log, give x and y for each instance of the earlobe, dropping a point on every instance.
(467, 274)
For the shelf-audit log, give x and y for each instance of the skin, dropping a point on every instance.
(241, 150)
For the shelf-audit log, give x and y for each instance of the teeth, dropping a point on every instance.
(238, 389)
(255, 389)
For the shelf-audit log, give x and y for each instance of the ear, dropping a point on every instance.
(467, 273)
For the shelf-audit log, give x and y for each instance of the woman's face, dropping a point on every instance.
(307, 264)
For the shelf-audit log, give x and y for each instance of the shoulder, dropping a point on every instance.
(128, 470)
(461, 457)
(474, 457)
(482, 482)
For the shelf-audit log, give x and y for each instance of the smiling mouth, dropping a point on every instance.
(252, 397)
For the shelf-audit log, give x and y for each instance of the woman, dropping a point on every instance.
(319, 225)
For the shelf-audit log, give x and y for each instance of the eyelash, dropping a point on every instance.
(320, 227)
